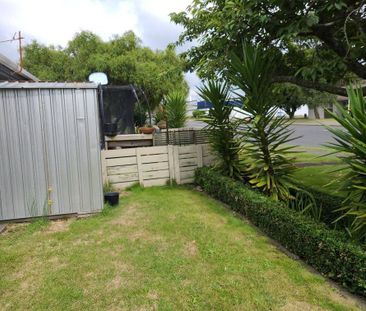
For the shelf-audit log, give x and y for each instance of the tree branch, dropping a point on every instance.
(324, 87)
(340, 49)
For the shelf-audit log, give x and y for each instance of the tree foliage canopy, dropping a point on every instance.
(123, 59)
(321, 43)
(290, 97)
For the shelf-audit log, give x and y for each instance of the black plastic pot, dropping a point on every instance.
(112, 198)
(110, 129)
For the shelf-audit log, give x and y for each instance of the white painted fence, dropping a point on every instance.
(153, 166)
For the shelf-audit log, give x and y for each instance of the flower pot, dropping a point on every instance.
(112, 198)
(110, 129)
(146, 130)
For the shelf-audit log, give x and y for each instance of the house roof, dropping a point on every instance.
(10, 71)
(48, 85)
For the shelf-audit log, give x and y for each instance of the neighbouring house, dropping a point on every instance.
(322, 111)
(10, 71)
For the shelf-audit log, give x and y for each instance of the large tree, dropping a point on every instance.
(123, 59)
(321, 43)
(291, 97)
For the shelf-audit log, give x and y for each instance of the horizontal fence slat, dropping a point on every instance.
(153, 150)
(156, 182)
(188, 168)
(121, 161)
(121, 169)
(155, 175)
(154, 158)
(188, 162)
(188, 155)
(187, 149)
(119, 153)
(124, 185)
(123, 178)
(186, 175)
(155, 166)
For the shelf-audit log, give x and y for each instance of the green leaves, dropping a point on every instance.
(351, 141)
(266, 162)
(176, 109)
(327, 38)
(220, 128)
(123, 59)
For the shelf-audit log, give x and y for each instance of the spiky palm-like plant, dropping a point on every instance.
(176, 109)
(266, 158)
(220, 128)
(351, 141)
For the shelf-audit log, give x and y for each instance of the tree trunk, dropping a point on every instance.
(316, 112)
(292, 113)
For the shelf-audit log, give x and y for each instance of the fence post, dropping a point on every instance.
(176, 164)
(171, 163)
(199, 156)
(139, 166)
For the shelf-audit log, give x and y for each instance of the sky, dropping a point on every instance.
(56, 22)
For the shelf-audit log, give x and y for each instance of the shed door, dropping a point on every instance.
(51, 154)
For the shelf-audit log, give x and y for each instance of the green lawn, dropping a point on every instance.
(322, 178)
(161, 249)
(321, 171)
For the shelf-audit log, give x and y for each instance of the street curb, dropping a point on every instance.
(316, 124)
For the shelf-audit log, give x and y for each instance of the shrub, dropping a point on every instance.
(197, 114)
(328, 251)
(159, 114)
(220, 129)
(351, 141)
(266, 161)
(176, 109)
(329, 206)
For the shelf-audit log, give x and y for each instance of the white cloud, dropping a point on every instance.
(56, 22)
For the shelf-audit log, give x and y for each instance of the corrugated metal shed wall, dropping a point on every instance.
(49, 140)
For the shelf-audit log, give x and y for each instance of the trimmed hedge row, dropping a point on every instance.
(329, 205)
(328, 251)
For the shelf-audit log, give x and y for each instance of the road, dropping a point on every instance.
(311, 135)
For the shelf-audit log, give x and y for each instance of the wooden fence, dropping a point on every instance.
(181, 136)
(154, 166)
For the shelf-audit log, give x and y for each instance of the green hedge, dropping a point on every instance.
(328, 251)
(329, 205)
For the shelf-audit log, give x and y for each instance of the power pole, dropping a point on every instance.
(17, 37)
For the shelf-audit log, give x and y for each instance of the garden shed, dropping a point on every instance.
(50, 149)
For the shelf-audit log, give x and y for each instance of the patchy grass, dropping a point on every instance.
(162, 248)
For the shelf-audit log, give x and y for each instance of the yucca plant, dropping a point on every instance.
(266, 158)
(221, 130)
(176, 109)
(351, 141)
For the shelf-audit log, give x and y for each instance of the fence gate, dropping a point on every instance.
(50, 154)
